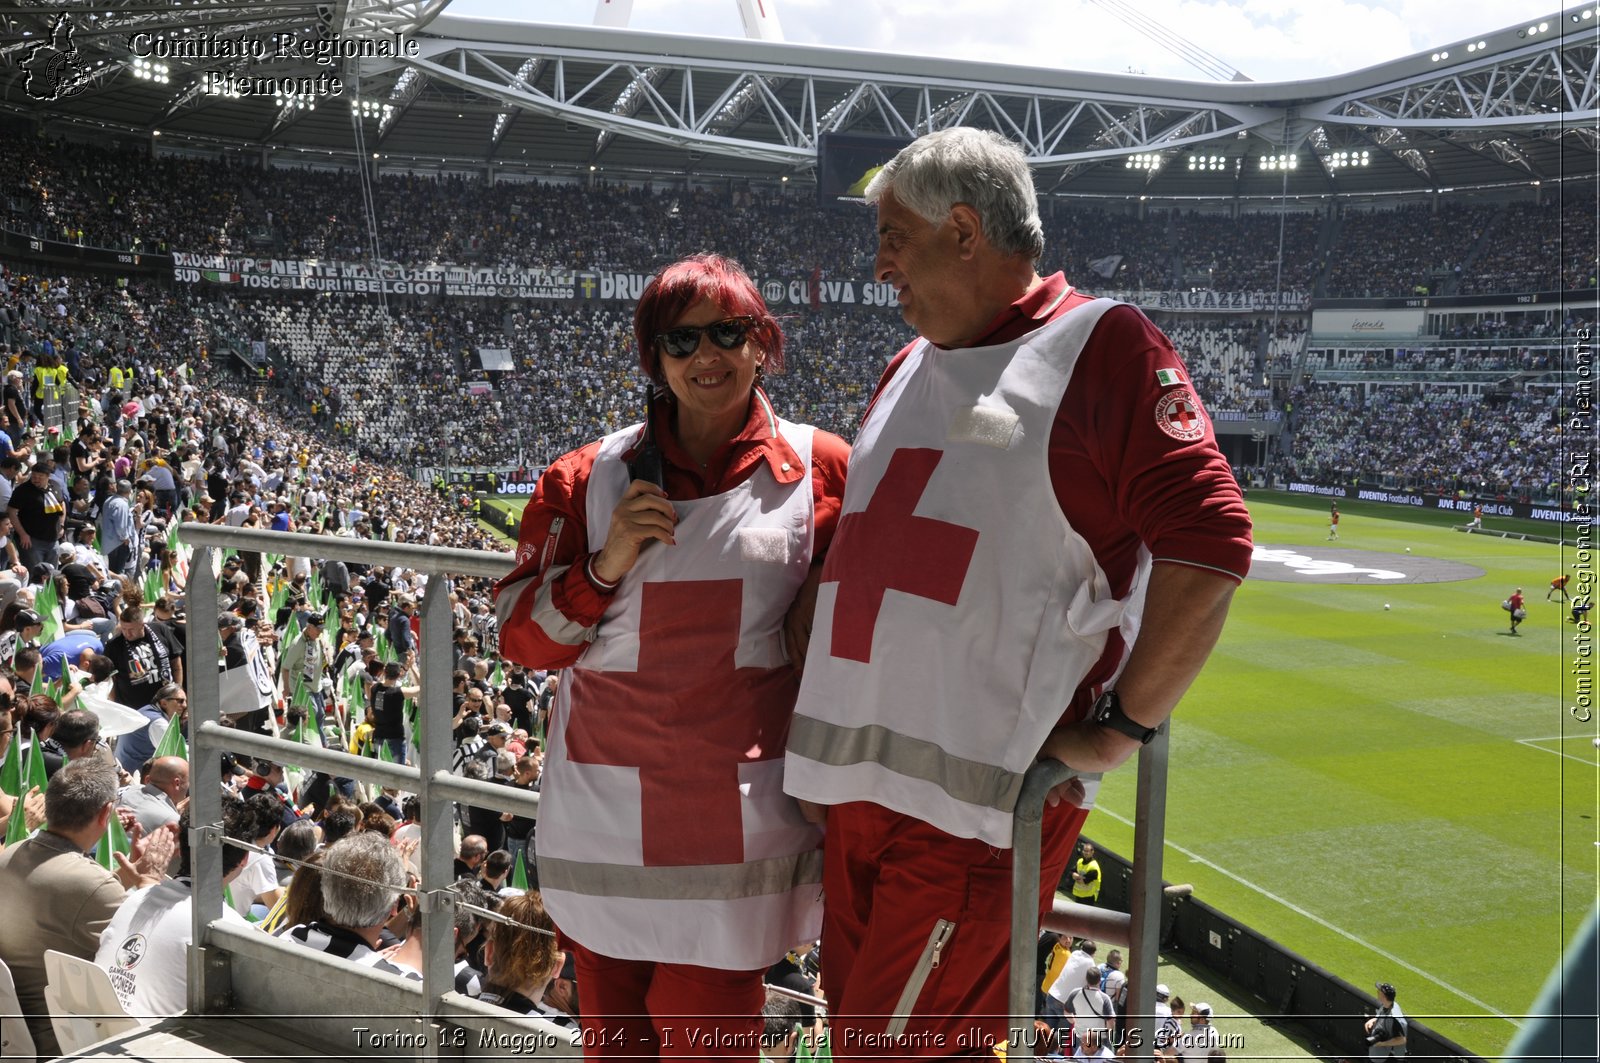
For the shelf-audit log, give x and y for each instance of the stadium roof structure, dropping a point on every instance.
(1514, 107)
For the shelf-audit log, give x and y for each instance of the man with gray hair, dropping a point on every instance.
(362, 876)
(55, 898)
(1021, 466)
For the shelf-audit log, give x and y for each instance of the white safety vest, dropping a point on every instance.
(664, 832)
(958, 610)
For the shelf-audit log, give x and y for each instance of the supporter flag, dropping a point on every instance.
(11, 770)
(280, 598)
(314, 591)
(114, 841)
(152, 585)
(172, 743)
(383, 751)
(416, 731)
(498, 677)
(292, 631)
(35, 773)
(47, 604)
(69, 430)
(815, 1049)
(40, 684)
(17, 825)
(1105, 268)
(519, 876)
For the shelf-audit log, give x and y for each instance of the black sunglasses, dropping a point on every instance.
(729, 334)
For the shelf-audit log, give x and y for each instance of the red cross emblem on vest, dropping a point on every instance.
(687, 718)
(886, 547)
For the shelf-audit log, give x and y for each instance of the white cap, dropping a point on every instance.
(1162, 990)
(1203, 1008)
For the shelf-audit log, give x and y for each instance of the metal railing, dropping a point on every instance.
(212, 980)
(209, 975)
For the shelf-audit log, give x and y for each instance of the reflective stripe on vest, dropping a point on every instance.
(958, 610)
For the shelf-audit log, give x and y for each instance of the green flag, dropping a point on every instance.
(172, 743)
(383, 752)
(11, 769)
(498, 676)
(17, 825)
(114, 841)
(152, 586)
(292, 631)
(39, 685)
(172, 537)
(280, 598)
(35, 773)
(519, 876)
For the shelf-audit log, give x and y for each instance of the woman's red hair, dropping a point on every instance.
(686, 282)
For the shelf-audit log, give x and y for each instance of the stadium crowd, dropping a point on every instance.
(127, 200)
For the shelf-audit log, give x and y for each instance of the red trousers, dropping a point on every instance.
(640, 1010)
(900, 893)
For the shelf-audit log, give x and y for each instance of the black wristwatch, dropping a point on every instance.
(1107, 712)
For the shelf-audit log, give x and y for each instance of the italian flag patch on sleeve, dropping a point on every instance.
(1168, 377)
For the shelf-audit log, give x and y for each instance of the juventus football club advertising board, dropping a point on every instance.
(1417, 500)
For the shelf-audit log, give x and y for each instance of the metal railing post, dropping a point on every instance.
(1041, 778)
(1149, 842)
(205, 771)
(434, 712)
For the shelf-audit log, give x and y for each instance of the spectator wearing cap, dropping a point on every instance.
(168, 704)
(13, 410)
(1196, 1043)
(118, 531)
(38, 514)
(1387, 1030)
(22, 630)
(1162, 1012)
(305, 661)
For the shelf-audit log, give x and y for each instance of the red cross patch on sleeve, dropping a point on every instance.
(1178, 415)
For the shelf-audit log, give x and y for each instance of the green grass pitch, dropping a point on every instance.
(1394, 795)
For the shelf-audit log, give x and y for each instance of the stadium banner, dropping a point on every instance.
(1206, 301)
(1576, 297)
(316, 275)
(814, 292)
(24, 245)
(1492, 507)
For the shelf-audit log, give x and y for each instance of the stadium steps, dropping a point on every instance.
(1453, 285)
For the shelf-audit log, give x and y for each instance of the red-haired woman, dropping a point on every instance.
(671, 860)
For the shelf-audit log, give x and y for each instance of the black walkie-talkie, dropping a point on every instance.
(646, 463)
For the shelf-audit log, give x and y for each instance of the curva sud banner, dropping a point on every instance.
(1491, 507)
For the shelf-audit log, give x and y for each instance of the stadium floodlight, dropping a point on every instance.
(1147, 161)
(1279, 162)
(289, 101)
(366, 109)
(145, 70)
(1207, 162)
(1340, 160)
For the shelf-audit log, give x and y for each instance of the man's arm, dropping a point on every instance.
(1184, 611)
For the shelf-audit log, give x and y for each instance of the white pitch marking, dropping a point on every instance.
(1531, 743)
(1493, 1011)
